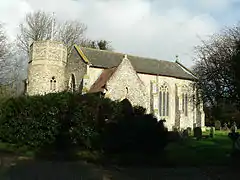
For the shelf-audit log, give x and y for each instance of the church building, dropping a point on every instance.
(164, 88)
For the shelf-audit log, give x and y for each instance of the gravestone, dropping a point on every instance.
(212, 132)
(217, 125)
(185, 134)
(234, 127)
(197, 132)
(225, 127)
(189, 130)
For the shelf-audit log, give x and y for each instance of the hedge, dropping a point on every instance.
(65, 120)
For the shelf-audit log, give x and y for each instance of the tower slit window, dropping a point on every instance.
(53, 83)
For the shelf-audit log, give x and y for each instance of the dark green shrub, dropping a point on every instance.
(174, 136)
(31, 121)
(60, 119)
(142, 134)
(139, 110)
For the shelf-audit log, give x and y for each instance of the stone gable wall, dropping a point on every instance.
(77, 67)
(126, 77)
(176, 116)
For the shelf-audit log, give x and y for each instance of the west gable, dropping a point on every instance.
(125, 83)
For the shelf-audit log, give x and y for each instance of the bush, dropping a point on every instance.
(139, 110)
(174, 136)
(142, 134)
(62, 121)
(40, 121)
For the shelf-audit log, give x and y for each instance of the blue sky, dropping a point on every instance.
(153, 28)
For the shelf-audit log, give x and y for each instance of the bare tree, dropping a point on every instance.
(41, 26)
(4, 54)
(71, 32)
(9, 66)
(3, 44)
(37, 26)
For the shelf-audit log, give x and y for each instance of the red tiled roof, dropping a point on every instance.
(100, 83)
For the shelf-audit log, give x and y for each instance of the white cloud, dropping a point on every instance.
(140, 27)
(11, 13)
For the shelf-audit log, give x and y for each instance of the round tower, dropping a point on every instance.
(46, 67)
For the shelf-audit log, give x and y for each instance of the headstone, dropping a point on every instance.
(234, 127)
(212, 132)
(225, 127)
(217, 125)
(189, 130)
(185, 134)
(197, 131)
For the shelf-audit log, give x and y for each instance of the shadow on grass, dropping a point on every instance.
(190, 152)
(212, 151)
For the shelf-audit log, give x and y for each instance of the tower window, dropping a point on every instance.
(53, 84)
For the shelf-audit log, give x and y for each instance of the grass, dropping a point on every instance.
(211, 151)
(188, 152)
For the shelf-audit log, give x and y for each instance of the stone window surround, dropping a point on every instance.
(53, 83)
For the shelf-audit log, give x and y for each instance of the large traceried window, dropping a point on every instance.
(163, 101)
(185, 100)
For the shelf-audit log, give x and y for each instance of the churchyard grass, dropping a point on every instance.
(187, 152)
(209, 151)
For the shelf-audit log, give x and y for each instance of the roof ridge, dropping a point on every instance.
(114, 52)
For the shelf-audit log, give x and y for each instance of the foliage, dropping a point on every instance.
(135, 134)
(139, 110)
(218, 73)
(65, 121)
(101, 44)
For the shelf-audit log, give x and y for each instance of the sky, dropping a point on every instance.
(158, 29)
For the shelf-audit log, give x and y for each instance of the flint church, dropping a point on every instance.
(164, 88)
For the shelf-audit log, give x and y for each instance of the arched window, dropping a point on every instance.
(72, 83)
(185, 100)
(53, 84)
(163, 101)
